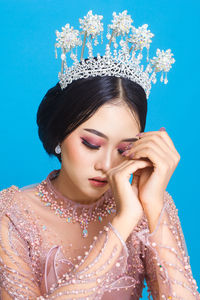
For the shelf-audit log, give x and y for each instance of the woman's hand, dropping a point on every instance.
(158, 148)
(128, 206)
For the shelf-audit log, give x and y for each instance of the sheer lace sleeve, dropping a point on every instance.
(168, 271)
(101, 269)
(16, 277)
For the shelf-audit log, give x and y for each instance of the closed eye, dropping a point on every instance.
(89, 145)
(120, 151)
(97, 147)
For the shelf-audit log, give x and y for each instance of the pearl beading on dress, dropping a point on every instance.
(99, 278)
(24, 246)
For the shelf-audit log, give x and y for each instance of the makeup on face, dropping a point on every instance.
(92, 141)
(95, 143)
(94, 147)
(94, 131)
(97, 183)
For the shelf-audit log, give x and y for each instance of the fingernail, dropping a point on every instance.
(132, 155)
(162, 129)
(129, 146)
(140, 134)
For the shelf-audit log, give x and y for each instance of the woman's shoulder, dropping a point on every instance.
(13, 195)
(14, 190)
(7, 197)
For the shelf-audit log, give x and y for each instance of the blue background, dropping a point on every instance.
(29, 69)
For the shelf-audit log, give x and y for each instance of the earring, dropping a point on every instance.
(58, 149)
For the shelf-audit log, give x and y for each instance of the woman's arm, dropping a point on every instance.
(17, 279)
(168, 271)
(102, 266)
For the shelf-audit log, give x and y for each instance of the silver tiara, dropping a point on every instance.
(125, 62)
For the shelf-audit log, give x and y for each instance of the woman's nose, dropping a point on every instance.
(104, 162)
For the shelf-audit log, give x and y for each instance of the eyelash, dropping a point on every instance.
(97, 147)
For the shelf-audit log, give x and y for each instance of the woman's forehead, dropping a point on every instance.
(112, 114)
(111, 121)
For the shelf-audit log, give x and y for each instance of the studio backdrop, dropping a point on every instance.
(29, 69)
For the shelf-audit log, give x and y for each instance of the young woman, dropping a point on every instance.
(87, 231)
(90, 230)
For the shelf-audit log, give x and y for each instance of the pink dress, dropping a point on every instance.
(43, 256)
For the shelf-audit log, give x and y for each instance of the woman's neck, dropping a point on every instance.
(64, 186)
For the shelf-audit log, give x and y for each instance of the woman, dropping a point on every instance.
(38, 246)
(87, 231)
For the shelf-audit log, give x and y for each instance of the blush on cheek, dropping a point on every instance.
(74, 150)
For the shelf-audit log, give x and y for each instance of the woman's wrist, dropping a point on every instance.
(153, 213)
(125, 224)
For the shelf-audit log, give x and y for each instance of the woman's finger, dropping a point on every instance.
(157, 160)
(165, 137)
(165, 154)
(127, 168)
(158, 144)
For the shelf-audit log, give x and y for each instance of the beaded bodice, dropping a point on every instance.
(72, 211)
(43, 256)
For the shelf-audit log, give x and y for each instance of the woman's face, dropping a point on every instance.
(93, 148)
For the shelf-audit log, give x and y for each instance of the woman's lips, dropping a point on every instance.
(97, 182)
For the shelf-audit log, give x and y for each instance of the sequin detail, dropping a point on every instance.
(68, 209)
(37, 264)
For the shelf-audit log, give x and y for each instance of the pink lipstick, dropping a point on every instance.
(98, 181)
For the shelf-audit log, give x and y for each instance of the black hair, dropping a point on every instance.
(62, 110)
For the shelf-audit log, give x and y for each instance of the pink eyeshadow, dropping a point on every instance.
(97, 142)
(93, 141)
(124, 145)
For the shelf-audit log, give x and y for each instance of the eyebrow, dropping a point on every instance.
(105, 137)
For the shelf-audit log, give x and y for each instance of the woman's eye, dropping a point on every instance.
(97, 147)
(89, 145)
(120, 151)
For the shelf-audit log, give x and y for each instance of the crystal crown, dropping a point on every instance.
(125, 62)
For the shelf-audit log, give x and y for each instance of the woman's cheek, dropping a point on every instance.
(76, 152)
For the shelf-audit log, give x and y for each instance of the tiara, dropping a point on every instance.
(126, 58)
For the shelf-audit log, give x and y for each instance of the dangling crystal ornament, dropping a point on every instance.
(125, 60)
(70, 211)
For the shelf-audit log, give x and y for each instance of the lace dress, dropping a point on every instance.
(44, 256)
